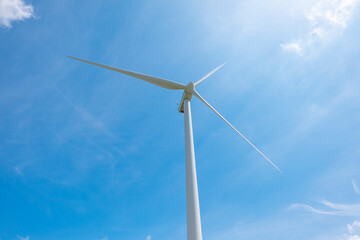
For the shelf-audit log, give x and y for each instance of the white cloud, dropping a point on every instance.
(317, 32)
(23, 238)
(327, 18)
(293, 46)
(354, 237)
(335, 12)
(148, 237)
(14, 10)
(105, 238)
(354, 230)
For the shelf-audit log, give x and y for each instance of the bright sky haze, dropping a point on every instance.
(87, 153)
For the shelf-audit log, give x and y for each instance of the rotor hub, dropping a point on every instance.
(190, 87)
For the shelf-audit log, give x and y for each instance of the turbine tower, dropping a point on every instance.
(192, 196)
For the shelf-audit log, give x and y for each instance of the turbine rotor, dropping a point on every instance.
(189, 91)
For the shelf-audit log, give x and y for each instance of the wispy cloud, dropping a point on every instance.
(327, 19)
(91, 119)
(356, 188)
(105, 238)
(148, 237)
(14, 10)
(330, 208)
(23, 238)
(18, 170)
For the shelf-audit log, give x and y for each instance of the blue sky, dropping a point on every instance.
(86, 153)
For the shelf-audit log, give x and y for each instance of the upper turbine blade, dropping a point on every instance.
(196, 94)
(154, 80)
(208, 75)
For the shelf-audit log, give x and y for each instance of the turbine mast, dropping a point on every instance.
(192, 196)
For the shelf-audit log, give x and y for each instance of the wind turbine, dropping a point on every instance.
(192, 197)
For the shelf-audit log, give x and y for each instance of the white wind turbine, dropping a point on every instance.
(192, 197)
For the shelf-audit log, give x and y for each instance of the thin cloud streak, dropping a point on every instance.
(333, 208)
(94, 122)
(356, 188)
(309, 208)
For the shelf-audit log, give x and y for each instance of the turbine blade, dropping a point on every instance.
(154, 80)
(208, 75)
(196, 94)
